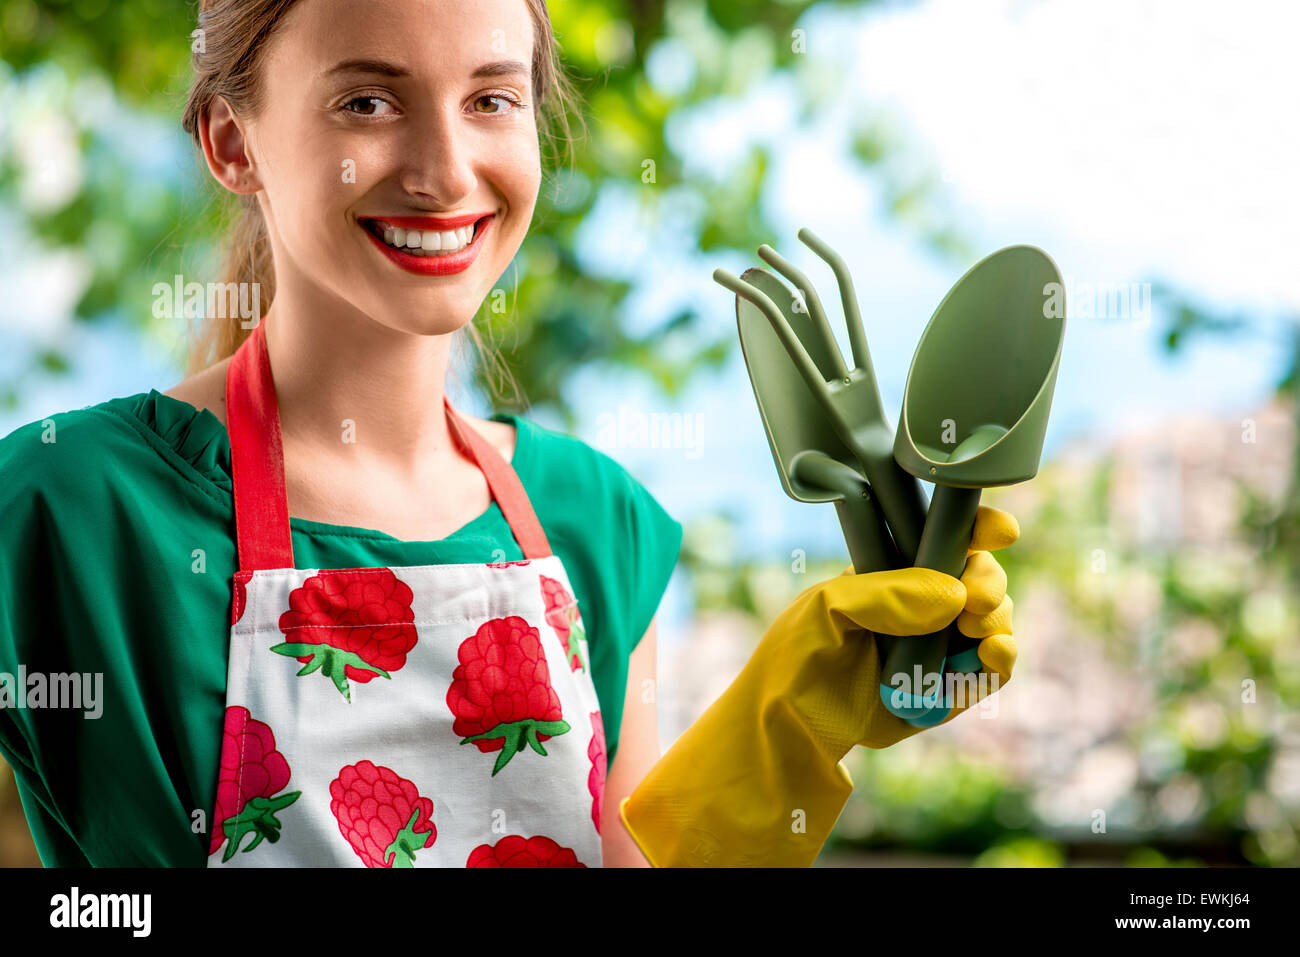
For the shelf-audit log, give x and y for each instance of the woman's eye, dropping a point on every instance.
(374, 102)
(515, 104)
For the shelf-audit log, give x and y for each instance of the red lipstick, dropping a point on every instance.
(431, 222)
(432, 265)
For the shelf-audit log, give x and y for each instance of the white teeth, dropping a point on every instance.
(428, 241)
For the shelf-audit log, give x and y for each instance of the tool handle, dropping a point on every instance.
(898, 493)
(911, 684)
(863, 523)
(866, 533)
(870, 547)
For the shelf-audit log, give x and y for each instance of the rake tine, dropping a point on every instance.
(852, 318)
(813, 303)
(803, 362)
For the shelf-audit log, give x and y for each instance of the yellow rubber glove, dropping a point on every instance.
(757, 780)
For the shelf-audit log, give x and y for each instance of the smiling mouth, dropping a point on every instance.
(424, 242)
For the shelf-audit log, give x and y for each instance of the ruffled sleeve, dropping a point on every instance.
(196, 435)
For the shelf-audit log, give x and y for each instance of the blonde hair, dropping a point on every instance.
(227, 65)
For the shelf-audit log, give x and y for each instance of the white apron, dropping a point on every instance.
(421, 716)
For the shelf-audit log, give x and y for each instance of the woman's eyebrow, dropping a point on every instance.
(502, 68)
(384, 68)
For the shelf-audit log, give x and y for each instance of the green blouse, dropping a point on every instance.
(117, 547)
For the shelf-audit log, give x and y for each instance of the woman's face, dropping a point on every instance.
(379, 116)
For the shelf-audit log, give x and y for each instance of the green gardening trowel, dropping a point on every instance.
(975, 413)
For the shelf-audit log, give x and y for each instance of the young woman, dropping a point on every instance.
(330, 619)
(416, 122)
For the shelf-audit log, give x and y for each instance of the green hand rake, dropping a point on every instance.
(985, 370)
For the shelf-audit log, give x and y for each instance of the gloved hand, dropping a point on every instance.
(757, 780)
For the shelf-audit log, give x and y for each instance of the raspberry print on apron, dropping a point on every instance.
(418, 716)
(331, 625)
(247, 797)
(370, 803)
(501, 691)
(562, 615)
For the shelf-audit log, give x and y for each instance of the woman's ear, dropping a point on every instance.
(225, 147)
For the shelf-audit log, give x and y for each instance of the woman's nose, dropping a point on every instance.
(440, 158)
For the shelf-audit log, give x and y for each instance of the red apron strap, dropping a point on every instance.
(257, 458)
(262, 527)
(505, 485)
